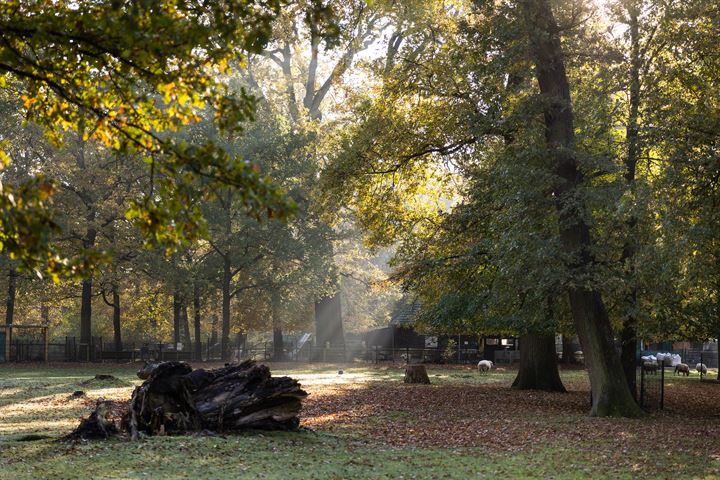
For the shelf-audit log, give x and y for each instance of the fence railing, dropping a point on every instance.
(70, 349)
(97, 350)
(651, 385)
(695, 356)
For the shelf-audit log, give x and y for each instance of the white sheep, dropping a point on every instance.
(484, 366)
(701, 368)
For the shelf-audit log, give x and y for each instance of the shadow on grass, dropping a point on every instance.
(371, 425)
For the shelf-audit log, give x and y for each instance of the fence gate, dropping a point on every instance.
(651, 386)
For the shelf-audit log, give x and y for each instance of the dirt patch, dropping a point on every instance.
(104, 380)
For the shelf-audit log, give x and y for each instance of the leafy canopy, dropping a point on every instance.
(125, 73)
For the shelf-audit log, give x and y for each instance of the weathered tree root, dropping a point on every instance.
(175, 399)
(103, 422)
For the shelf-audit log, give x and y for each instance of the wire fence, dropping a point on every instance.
(70, 349)
(694, 356)
(651, 385)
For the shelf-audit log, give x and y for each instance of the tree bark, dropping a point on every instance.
(11, 294)
(328, 321)
(278, 342)
(86, 301)
(86, 311)
(538, 364)
(416, 374)
(225, 337)
(629, 328)
(610, 393)
(117, 333)
(567, 353)
(196, 311)
(214, 331)
(185, 325)
(177, 305)
(175, 399)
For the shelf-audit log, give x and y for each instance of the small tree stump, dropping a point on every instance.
(416, 374)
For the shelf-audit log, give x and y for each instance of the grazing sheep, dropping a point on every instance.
(650, 367)
(701, 368)
(484, 366)
(682, 368)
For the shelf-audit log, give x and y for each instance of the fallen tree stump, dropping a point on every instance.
(416, 374)
(176, 399)
(102, 422)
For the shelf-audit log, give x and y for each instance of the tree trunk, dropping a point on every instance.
(628, 353)
(328, 321)
(45, 314)
(185, 325)
(10, 305)
(176, 399)
(242, 344)
(225, 337)
(278, 342)
(196, 311)
(416, 374)
(538, 364)
(567, 352)
(610, 393)
(86, 312)
(116, 319)
(177, 305)
(629, 328)
(214, 332)
(86, 302)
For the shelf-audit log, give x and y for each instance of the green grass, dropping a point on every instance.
(34, 405)
(276, 455)
(302, 455)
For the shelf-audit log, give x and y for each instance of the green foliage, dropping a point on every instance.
(442, 158)
(123, 74)
(450, 351)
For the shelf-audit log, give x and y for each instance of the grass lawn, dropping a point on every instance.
(366, 423)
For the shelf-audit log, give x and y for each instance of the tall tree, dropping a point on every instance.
(629, 328)
(611, 396)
